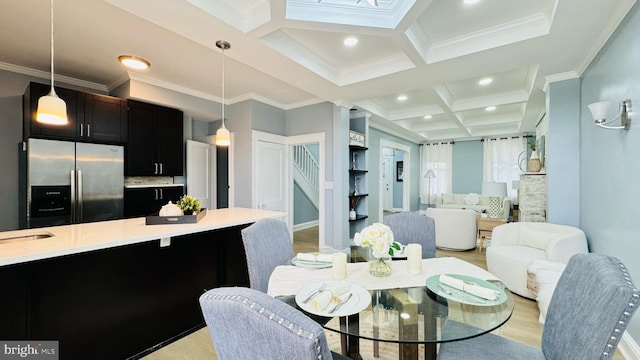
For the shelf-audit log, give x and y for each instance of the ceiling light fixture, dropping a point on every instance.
(223, 137)
(134, 62)
(485, 81)
(470, 2)
(427, 117)
(350, 41)
(51, 109)
(402, 98)
(599, 111)
(490, 108)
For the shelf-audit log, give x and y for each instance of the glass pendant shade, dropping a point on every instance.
(223, 137)
(52, 110)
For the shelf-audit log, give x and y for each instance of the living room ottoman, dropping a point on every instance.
(515, 245)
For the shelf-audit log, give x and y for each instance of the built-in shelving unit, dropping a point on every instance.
(358, 178)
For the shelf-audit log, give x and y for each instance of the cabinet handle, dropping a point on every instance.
(81, 130)
(156, 191)
(156, 169)
(161, 195)
(161, 169)
(88, 130)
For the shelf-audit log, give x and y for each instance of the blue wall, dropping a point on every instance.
(397, 185)
(609, 165)
(466, 169)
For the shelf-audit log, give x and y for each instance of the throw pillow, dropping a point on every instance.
(472, 199)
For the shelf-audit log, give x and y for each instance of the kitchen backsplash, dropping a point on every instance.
(148, 180)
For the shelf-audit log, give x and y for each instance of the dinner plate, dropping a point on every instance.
(358, 302)
(310, 264)
(433, 283)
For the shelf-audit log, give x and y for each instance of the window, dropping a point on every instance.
(436, 157)
(500, 163)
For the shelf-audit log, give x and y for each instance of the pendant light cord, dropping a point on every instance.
(52, 90)
(222, 87)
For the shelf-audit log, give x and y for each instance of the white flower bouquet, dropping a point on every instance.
(379, 238)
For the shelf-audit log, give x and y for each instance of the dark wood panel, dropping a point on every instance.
(120, 302)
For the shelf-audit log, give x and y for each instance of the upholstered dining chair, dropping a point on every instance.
(409, 227)
(589, 311)
(267, 244)
(248, 324)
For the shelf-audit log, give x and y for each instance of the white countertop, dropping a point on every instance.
(138, 186)
(73, 239)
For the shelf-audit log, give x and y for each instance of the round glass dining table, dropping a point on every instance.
(416, 315)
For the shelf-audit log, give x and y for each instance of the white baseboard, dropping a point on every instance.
(306, 225)
(628, 348)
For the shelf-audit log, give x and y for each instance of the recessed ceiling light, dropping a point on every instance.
(470, 2)
(134, 62)
(350, 41)
(402, 97)
(490, 108)
(485, 81)
(427, 117)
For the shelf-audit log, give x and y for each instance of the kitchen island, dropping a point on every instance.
(118, 289)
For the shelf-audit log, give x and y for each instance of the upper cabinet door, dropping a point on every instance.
(75, 113)
(170, 141)
(155, 146)
(141, 144)
(105, 119)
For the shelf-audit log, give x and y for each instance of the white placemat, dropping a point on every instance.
(288, 279)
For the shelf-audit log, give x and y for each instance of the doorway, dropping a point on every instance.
(395, 177)
(278, 171)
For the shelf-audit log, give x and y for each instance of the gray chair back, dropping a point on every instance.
(248, 324)
(590, 309)
(409, 227)
(267, 244)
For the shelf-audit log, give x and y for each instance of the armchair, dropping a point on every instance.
(515, 245)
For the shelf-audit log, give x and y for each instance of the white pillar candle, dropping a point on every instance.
(339, 266)
(414, 258)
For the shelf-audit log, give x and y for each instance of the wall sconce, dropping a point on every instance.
(600, 109)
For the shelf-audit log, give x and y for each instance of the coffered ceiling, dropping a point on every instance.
(290, 53)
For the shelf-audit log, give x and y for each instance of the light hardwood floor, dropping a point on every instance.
(522, 327)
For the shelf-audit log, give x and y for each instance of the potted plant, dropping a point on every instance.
(189, 205)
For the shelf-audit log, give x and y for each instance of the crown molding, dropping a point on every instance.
(58, 78)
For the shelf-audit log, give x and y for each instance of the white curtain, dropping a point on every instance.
(436, 157)
(500, 163)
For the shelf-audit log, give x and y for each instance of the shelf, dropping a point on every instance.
(357, 147)
(358, 171)
(359, 217)
(359, 195)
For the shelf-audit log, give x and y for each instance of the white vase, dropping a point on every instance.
(352, 215)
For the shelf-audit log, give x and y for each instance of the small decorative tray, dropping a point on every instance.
(184, 219)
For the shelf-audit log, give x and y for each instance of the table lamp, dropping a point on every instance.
(495, 191)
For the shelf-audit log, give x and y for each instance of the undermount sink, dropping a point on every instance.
(26, 237)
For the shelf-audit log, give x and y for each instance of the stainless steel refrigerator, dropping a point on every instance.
(67, 182)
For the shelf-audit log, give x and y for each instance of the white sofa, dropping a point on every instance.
(456, 229)
(515, 245)
(465, 201)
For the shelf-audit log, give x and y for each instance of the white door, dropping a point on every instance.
(271, 176)
(199, 172)
(387, 175)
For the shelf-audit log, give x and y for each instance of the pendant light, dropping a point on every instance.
(223, 138)
(51, 109)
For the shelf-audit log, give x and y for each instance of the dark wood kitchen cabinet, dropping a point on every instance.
(92, 117)
(145, 201)
(155, 144)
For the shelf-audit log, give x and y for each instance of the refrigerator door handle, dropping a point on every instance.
(79, 196)
(72, 176)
